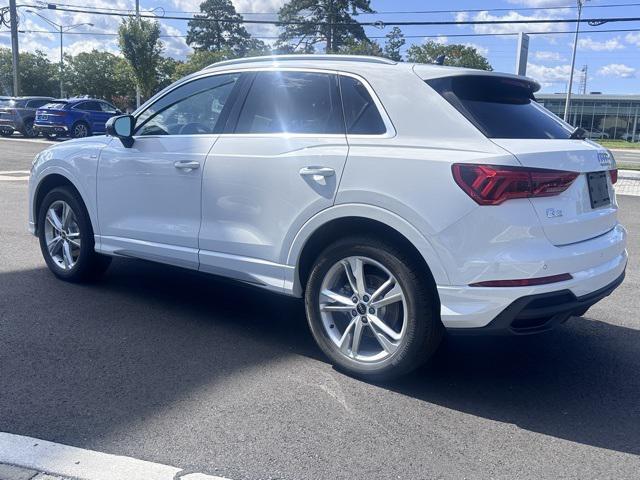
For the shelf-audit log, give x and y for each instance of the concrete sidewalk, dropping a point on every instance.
(628, 182)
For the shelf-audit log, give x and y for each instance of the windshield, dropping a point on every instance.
(501, 107)
(55, 105)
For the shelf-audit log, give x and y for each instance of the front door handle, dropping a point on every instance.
(317, 171)
(186, 165)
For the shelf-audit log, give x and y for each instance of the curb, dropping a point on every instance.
(28, 458)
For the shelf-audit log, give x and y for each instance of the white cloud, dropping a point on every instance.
(587, 43)
(174, 46)
(517, 27)
(633, 38)
(617, 70)
(550, 56)
(548, 75)
(442, 39)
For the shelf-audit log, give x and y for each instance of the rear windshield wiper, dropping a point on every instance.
(578, 134)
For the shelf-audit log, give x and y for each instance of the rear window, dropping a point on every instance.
(55, 105)
(500, 107)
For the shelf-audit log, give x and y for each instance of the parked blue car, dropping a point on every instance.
(74, 117)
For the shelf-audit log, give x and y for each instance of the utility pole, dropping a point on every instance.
(13, 12)
(567, 103)
(138, 86)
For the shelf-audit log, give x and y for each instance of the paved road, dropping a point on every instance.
(627, 156)
(17, 153)
(174, 367)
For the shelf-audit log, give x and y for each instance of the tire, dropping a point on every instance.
(85, 263)
(6, 132)
(50, 136)
(80, 130)
(27, 129)
(414, 321)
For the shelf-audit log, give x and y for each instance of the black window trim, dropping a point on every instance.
(238, 96)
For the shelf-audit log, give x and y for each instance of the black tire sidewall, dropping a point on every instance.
(25, 131)
(83, 265)
(418, 297)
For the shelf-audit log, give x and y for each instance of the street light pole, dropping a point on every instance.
(61, 29)
(138, 86)
(15, 57)
(567, 102)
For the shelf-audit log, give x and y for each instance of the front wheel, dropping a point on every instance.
(371, 309)
(27, 130)
(66, 237)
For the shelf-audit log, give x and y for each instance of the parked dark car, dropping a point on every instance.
(19, 113)
(74, 117)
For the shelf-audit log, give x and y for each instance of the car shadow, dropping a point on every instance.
(77, 360)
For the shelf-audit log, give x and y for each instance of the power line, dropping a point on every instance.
(393, 12)
(590, 21)
(376, 37)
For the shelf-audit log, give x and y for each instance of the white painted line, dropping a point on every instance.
(68, 461)
(32, 140)
(14, 172)
(13, 179)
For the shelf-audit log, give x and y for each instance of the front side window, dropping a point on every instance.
(105, 107)
(361, 114)
(88, 106)
(501, 107)
(292, 102)
(191, 109)
(37, 103)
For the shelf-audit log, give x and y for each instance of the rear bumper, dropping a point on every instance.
(56, 129)
(9, 125)
(542, 312)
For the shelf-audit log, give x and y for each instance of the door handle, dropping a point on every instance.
(186, 165)
(317, 171)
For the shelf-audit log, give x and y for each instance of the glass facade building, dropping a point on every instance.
(602, 116)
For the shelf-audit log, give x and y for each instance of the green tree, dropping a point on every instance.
(395, 41)
(225, 33)
(140, 44)
(38, 76)
(167, 69)
(316, 22)
(353, 46)
(198, 60)
(455, 55)
(100, 75)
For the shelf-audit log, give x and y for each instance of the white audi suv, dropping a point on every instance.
(400, 200)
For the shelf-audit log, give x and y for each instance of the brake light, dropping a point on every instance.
(494, 184)
(614, 175)
(525, 282)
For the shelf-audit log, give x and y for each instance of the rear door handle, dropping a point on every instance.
(317, 171)
(186, 165)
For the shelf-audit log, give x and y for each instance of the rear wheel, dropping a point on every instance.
(5, 132)
(27, 129)
(66, 237)
(80, 130)
(371, 310)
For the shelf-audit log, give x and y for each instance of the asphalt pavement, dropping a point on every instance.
(627, 156)
(175, 367)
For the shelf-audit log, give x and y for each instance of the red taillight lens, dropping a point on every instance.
(614, 175)
(525, 282)
(494, 184)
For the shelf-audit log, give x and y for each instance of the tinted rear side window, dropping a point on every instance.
(361, 115)
(500, 107)
(37, 103)
(292, 102)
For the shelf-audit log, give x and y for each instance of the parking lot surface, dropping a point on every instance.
(175, 367)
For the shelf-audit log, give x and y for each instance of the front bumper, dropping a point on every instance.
(541, 312)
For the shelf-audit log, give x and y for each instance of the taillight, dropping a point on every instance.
(494, 184)
(614, 175)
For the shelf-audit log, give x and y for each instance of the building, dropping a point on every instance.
(602, 116)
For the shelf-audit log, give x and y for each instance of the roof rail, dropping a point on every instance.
(311, 57)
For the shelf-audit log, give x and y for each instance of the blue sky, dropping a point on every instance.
(613, 59)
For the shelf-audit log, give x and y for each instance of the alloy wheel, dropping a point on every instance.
(62, 235)
(363, 309)
(80, 131)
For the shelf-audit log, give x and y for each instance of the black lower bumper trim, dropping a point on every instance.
(541, 312)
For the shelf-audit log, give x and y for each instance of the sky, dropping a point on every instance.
(612, 58)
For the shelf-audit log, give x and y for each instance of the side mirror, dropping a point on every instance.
(122, 126)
